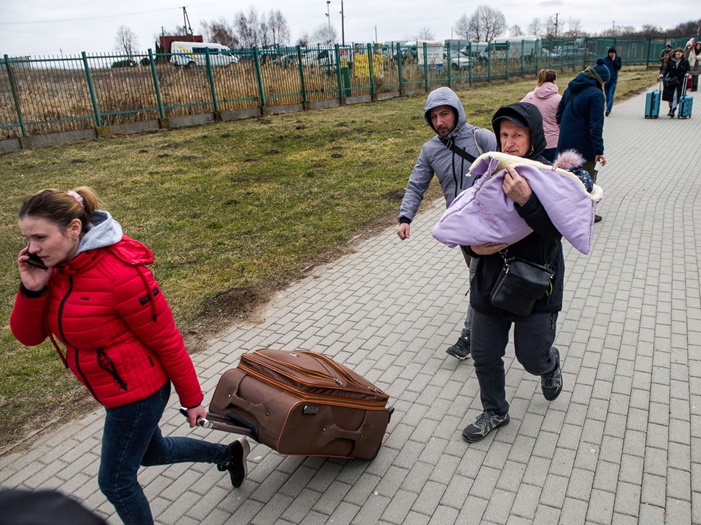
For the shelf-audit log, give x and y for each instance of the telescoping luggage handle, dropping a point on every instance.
(215, 422)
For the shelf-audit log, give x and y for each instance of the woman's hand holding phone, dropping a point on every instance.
(32, 270)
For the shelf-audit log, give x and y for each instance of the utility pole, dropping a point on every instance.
(328, 16)
(556, 16)
(376, 40)
(186, 22)
(343, 29)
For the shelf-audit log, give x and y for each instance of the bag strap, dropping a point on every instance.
(448, 143)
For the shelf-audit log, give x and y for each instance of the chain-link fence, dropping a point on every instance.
(40, 95)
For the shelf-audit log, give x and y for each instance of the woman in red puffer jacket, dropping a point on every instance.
(88, 286)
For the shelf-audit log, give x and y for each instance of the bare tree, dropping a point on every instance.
(220, 31)
(304, 40)
(125, 41)
(515, 30)
(462, 27)
(247, 27)
(425, 33)
(324, 35)
(278, 27)
(535, 28)
(492, 22)
(574, 28)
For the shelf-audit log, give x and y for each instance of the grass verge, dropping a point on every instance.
(233, 212)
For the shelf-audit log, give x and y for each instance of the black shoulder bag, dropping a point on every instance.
(520, 284)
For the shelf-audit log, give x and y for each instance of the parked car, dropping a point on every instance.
(195, 54)
(459, 60)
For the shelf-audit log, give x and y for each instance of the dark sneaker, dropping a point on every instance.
(551, 383)
(237, 464)
(461, 349)
(483, 425)
(598, 218)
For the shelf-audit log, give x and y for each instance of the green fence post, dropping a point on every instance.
(489, 63)
(450, 68)
(15, 95)
(469, 63)
(506, 66)
(649, 45)
(523, 58)
(301, 76)
(151, 61)
(208, 63)
(399, 69)
(259, 77)
(371, 72)
(425, 53)
(538, 51)
(339, 82)
(98, 120)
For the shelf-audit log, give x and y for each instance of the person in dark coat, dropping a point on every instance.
(581, 117)
(613, 62)
(519, 131)
(674, 74)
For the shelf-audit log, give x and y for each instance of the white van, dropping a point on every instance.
(194, 54)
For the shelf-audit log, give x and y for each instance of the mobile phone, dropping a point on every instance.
(35, 260)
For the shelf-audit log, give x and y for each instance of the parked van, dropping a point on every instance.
(194, 54)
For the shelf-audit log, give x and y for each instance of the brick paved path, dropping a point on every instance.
(621, 445)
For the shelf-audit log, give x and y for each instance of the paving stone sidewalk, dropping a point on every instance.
(621, 445)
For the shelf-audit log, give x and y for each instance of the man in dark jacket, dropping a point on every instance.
(519, 131)
(445, 115)
(581, 117)
(613, 62)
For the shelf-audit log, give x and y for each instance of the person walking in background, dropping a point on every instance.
(449, 156)
(581, 117)
(546, 98)
(613, 62)
(86, 284)
(519, 128)
(673, 75)
(695, 66)
(664, 55)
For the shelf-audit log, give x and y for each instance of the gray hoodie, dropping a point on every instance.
(104, 231)
(435, 157)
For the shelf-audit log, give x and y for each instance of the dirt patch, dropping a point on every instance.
(394, 195)
(250, 160)
(368, 164)
(273, 152)
(143, 151)
(225, 135)
(336, 155)
(78, 161)
(265, 121)
(163, 156)
(191, 157)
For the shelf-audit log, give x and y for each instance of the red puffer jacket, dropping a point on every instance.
(107, 309)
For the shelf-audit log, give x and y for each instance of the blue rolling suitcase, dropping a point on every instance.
(686, 104)
(652, 103)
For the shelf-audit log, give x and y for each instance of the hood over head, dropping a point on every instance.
(525, 115)
(444, 96)
(611, 50)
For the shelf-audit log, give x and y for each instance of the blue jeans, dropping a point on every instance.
(533, 339)
(610, 88)
(131, 438)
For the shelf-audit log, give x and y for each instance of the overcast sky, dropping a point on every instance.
(51, 27)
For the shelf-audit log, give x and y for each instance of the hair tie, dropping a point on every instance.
(77, 197)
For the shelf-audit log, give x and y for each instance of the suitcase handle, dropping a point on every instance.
(215, 422)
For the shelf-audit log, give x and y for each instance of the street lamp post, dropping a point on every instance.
(328, 17)
(343, 29)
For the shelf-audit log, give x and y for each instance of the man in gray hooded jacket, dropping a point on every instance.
(449, 156)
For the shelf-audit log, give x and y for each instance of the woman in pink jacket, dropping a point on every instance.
(546, 98)
(87, 285)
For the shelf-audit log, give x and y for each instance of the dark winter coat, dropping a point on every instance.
(674, 70)
(581, 117)
(543, 246)
(614, 66)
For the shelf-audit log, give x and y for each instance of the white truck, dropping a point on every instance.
(195, 54)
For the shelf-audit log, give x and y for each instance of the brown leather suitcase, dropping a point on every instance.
(301, 403)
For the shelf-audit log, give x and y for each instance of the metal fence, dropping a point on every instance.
(40, 95)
